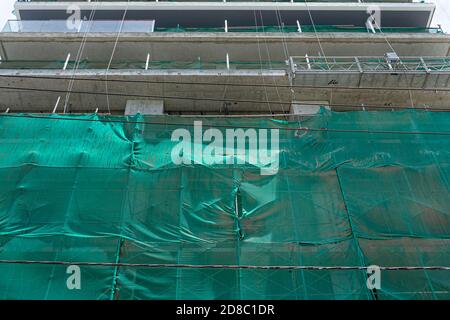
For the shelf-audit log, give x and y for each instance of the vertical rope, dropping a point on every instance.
(112, 56)
(79, 56)
(261, 64)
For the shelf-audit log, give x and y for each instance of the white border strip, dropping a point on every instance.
(335, 6)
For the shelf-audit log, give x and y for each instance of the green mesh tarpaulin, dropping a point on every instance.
(354, 189)
(295, 29)
(198, 64)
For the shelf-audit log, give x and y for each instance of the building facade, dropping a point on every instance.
(101, 197)
(305, 51)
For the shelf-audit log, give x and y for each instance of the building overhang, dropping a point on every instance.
(210, 46)
(183, 91)
(213, 14)
(220, 91)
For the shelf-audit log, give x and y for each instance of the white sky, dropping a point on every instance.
(442, 15)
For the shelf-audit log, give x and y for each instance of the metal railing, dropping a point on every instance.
(149, 26)
(143, 65)
(369, 64)
(83, 26)
(305, 29)
(295, 64)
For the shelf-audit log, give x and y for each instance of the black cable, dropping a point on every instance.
(343, 105)
(438, 133)
(231, 84)
(217, 266)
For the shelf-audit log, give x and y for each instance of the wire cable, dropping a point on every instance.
(287, 86)
(315, 32)
(306, 129)
(270, 60)
(112, 54)
(220, 266)
(79, 55)
(260, 61)
(340, 105)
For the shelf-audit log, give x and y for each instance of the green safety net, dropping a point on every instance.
(155, 64)
(355, 189)
(311, 63)
(295, 29)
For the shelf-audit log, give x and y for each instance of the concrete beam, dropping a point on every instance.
(214, 46)
(193, 91)
(194, 96)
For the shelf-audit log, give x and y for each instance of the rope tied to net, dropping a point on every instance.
(220, 266)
